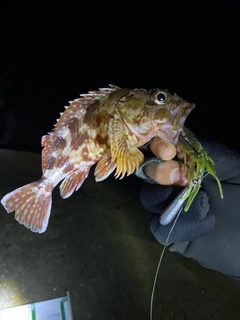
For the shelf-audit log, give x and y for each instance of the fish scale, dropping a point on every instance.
(103, 127)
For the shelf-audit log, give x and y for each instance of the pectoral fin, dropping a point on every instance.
(124, 152)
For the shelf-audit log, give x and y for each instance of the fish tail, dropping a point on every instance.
(32, 204)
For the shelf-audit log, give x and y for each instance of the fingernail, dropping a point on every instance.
(174, 175)
(179, 176)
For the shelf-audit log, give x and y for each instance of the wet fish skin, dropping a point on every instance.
(104, 127)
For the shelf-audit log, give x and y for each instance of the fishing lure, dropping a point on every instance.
(200, 164)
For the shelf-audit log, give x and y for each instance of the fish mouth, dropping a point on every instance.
(190, 106)
(171, 130)
(184, 112)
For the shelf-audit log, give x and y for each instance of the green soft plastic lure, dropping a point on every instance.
(200, 165)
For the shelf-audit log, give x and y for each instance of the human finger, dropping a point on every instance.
(163, 149)
(167, 173)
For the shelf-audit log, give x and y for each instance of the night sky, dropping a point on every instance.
(52, 53)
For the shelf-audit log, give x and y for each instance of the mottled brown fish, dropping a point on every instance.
(105, 127)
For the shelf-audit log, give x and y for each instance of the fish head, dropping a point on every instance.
(162, 114)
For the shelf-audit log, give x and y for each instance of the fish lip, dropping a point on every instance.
(188, 105)
(193, 105)
(187, 108)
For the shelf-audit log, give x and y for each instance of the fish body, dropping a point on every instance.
(104, 127)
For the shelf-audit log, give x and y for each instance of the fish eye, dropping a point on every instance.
(160, 97)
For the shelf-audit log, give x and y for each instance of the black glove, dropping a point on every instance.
(210, 231)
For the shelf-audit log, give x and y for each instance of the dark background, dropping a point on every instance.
(98, 243)
(52, 53)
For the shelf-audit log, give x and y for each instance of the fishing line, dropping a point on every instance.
(159, 264)
(195, 182)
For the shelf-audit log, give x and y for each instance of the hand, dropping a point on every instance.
(209, 231)
(166, 173)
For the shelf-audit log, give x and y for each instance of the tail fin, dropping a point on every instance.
(32, 205)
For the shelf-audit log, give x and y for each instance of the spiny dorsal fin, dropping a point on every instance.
(77, 107)
(76, 110)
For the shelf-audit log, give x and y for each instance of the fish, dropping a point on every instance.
(106, 128)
